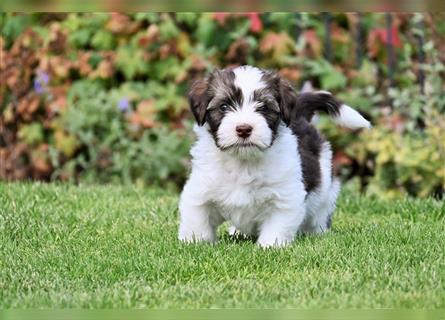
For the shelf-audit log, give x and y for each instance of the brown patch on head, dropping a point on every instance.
(207, 95)
(268, 107)
(284, 93)
(224, 91)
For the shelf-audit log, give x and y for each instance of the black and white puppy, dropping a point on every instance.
(258, 162)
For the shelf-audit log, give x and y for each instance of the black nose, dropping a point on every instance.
(244, 130)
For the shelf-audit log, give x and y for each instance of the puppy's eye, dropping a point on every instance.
(223, 107)
(263, 107)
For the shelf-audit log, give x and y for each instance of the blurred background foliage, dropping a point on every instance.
(102, 97)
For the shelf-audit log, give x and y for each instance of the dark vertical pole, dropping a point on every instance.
(421, 55)
(266, 19)
(327, 37)
(421, 61)
(390, 49)
(297, 26)
(360, 41)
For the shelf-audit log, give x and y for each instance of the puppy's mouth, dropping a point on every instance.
(244, 145)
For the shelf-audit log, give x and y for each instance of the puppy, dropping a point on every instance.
(258, 162)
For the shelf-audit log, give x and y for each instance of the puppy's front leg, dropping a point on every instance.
(280, 228)
(195, 224)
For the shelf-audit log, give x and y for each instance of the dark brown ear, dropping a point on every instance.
(288, 101)
(199, 100)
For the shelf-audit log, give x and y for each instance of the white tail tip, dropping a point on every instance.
(350, 118)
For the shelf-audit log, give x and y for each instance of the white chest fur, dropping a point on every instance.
(244, 192)
(244, 197)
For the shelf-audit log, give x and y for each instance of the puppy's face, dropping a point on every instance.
(242, 107)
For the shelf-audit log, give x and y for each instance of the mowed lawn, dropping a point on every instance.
(117, 247)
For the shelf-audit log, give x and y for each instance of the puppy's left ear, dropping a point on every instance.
(288, 101)
(199, 99)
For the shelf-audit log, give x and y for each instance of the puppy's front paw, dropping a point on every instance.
(191, 237)
(233, 231)
(273, 242)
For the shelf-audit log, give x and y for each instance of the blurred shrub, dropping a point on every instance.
(110, 144)
(405, 151)
(102, 97)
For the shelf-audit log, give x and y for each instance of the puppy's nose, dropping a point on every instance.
(244, 130)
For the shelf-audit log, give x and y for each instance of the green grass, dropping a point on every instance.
(106, 247)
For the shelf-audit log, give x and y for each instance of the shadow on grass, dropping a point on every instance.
(239, 238)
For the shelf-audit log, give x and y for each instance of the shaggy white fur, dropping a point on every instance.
(350, 118)
(262, 197)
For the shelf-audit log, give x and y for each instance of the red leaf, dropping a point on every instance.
(313, 43)
(144, 115)
(256, 25)
(238, 51)
(379, 38)
(276, 43)
(383, 34)
(291, 74)
(121, 24)
(220, 16)
(340, 158)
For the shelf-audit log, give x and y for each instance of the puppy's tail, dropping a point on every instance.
(308, 103)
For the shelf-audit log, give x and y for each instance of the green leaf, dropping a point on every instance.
(80, 38)
(103, 40)
(206, 30)
(168, 29)
(130, 61)
(151, 17)
(189, 18)
(31, 134)
(14, 25)
(333, 80)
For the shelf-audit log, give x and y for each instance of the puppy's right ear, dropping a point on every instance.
(199, 100)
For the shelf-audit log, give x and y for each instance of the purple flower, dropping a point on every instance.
(38, 87)
(40, 82)
(43, 77)
(123, 104)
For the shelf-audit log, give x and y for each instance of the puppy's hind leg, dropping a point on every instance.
(319, 217)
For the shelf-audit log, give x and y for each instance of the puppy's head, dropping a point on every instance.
(242, 107)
